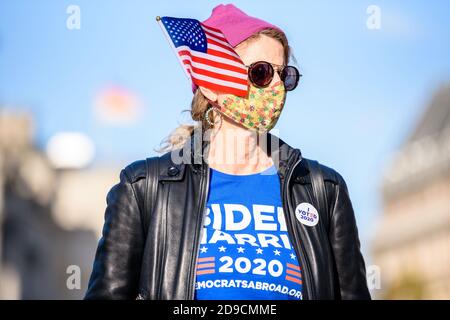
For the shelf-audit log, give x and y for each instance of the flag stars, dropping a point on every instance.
(259, 251)
(184, 32)
(222, 249)
(203, 249)
(292, 256)
(241, 250)
(276, 252)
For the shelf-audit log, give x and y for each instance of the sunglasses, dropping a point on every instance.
(261, 74)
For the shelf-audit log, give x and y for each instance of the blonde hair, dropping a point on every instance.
(200, 104)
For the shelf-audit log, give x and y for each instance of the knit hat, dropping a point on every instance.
(235, 25)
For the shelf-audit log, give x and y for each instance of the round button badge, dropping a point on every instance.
(307, 214)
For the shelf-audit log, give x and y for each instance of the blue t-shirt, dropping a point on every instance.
(245, 252)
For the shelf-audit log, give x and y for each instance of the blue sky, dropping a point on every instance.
(362, 91)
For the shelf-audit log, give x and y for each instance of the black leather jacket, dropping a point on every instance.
(131, 263)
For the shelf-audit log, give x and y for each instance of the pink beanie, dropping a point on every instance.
(235, 25)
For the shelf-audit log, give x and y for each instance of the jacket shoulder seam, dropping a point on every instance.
(133, 190)
(136, 170)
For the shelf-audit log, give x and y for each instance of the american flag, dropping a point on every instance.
(205, 266)
(293, 273)
(206, 56)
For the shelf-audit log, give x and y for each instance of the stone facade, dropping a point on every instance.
(50, 219)
(412, 242)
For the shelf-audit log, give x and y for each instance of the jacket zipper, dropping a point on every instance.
(204, 191)
(305, 271)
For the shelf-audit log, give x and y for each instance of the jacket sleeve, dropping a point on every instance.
(117, 263)
(346, 246)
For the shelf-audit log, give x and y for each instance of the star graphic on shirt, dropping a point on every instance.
(203, 249)
(241, 250)
(222, 249)
(259, 251)
(292, 256)
(277, 253)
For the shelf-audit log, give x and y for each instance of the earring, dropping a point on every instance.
(207, 118)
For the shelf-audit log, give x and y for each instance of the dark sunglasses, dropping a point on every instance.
(261, 74)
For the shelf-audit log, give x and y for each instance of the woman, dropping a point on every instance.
(243, 215)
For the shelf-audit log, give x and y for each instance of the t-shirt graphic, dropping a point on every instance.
(245, 252)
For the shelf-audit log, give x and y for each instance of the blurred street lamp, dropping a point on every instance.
(70, 150)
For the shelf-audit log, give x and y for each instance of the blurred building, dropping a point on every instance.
(412, 242)
(50, 219)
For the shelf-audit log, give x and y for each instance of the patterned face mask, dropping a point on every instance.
(260, 111)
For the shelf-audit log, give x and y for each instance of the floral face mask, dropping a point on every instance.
(260, 111)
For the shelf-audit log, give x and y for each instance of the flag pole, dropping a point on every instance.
(169, 40)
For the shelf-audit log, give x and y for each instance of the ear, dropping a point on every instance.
(208, 93)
